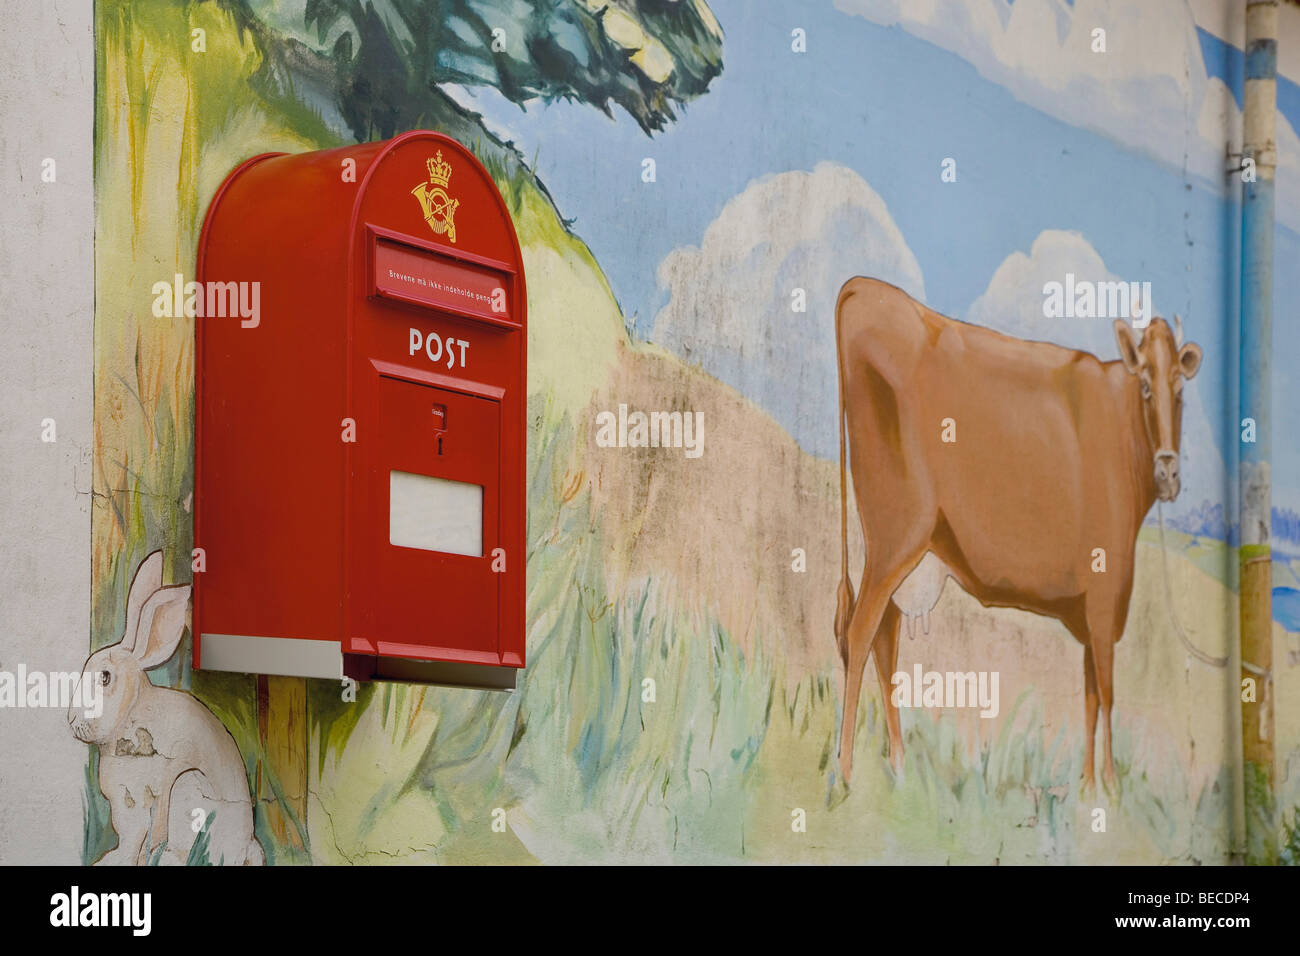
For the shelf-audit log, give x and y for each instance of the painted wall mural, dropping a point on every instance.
(692, 185)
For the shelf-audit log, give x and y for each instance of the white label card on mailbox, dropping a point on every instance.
(435, 514)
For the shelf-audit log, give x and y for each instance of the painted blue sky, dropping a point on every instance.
(890, 107)
(1228, 63)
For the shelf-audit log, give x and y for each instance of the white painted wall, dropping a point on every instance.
(47, 76)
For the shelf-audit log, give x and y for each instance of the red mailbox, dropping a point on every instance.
(360, 400)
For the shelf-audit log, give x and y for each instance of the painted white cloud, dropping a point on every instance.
(1219, 116)
(1013, 303)
(730, 298)
(1205, 475)
(1149, 91)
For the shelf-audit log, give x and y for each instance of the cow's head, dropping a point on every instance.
(1160, 363)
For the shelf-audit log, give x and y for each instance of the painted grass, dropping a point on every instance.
(583, 767)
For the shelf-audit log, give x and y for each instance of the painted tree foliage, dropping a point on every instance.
(380, 65)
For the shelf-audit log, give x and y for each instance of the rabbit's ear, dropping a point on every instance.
(162, 622)
(147, 580)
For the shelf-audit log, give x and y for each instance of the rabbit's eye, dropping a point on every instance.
(104, 678)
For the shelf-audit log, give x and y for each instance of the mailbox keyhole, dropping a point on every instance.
(439, 423)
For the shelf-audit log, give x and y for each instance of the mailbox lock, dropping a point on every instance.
(439, 424)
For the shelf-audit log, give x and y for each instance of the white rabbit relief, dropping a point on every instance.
(162, 754)
(920, 591)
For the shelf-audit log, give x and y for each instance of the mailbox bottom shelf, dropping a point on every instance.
(293, 657)
(445, 673)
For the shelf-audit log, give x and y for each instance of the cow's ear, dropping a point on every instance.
(1128, 350)
(1189, 359)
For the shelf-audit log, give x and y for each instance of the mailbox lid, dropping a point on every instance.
(435, 519)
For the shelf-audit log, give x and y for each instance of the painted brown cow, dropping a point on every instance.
(1056, 454)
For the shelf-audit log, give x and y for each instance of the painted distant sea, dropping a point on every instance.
(1286, 608)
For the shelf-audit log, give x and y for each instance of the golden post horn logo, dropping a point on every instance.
(438, 207)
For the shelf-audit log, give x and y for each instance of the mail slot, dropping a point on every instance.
(359, 439)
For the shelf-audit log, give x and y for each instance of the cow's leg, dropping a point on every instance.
(873, 598)
(1103, 656)
(885, 652)
(844, 601)
(1106, 614)
(1089, 719)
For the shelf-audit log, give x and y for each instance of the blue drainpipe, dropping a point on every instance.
(1255, 552)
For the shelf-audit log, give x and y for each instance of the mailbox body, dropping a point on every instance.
(360, 446)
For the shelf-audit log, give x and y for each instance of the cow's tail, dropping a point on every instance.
(844, 599)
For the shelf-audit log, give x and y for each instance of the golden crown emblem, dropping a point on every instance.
(439, 171)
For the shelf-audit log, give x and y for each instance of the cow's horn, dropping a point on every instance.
(1178, 330)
